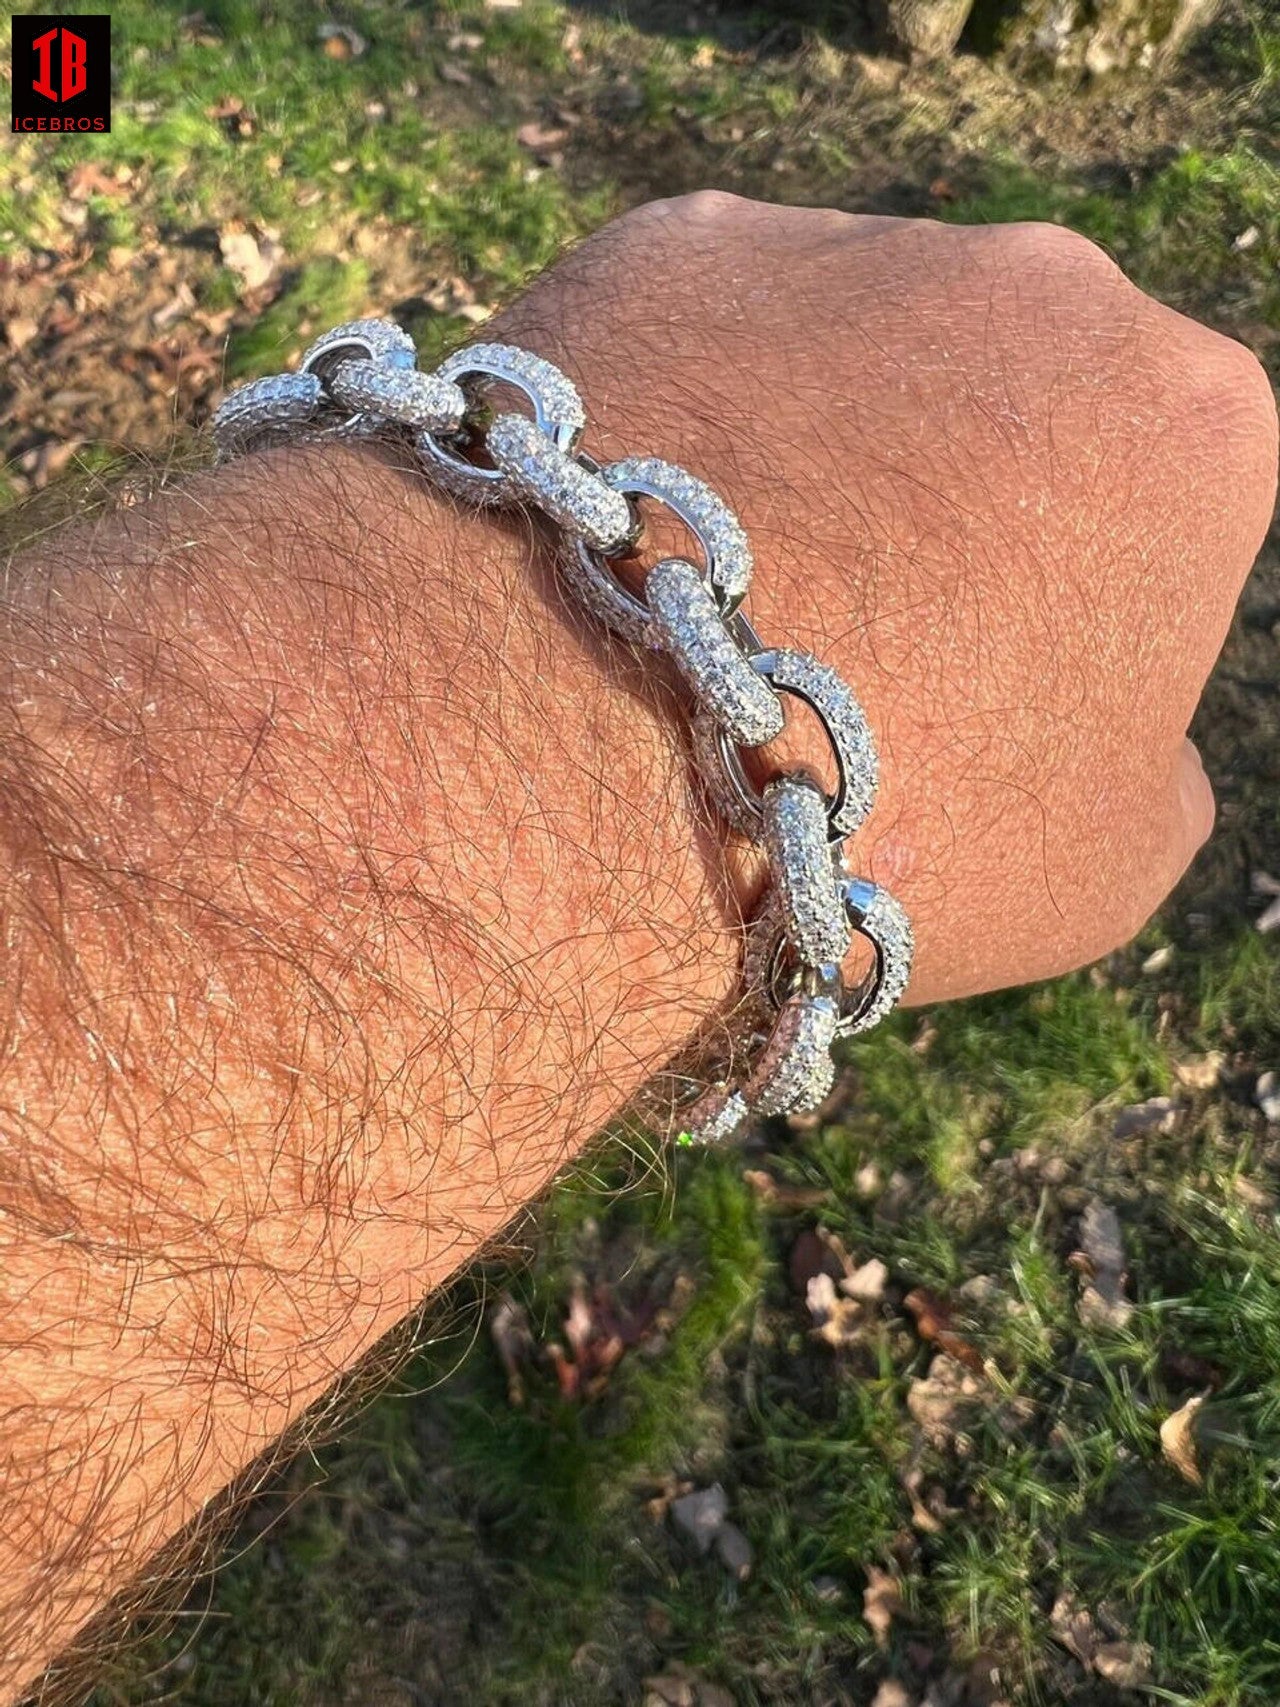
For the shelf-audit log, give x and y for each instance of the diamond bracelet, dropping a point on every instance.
(362, 378)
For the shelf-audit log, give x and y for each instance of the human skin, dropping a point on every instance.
(350, 884)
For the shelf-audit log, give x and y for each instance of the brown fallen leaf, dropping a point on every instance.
(1178, 1440)
(252, 259)
(881, 1601)
(892, 1694)
(88, 179)
(1073, 1626)
(1200, 1072)
(777, 1194)
(867, 1283)
(1127, 1665)
(541, 140)
(1100, 1260)
(929, 1508)
(234, 117)
(20, 330)
(939, 1400)
(933, 1322)
(1109, 1654)
(680, 1686)
(837, 1320)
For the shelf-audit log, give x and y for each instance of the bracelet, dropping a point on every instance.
(361, 379)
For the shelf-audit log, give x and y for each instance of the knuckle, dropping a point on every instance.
(699, 207)
(1042, 244)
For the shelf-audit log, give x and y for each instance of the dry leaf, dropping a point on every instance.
(779, 1195)
(892, 1694)
(836, 1320)
(1102, 1302)
(881, 1600)
(1201, 1072)
(938, 1400)
(679, 1686)
(867, 1283)
(509, 1327)
(1074, 1627)
(933, 1322)
(1157, 1114)
(452, 72)
(701, 1514)
(1123, 1663)
(1127, 1665)
(542, 140)
(928, 1512)
(252, 259)
(20, 330)
(88, 179)
(1178, 1440)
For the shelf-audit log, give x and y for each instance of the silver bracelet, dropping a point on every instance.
(363, 378)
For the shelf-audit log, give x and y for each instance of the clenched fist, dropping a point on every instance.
(1006, 494)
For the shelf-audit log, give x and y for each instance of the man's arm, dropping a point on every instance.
(345, 894)
(348, 886)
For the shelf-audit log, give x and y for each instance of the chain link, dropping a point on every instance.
(363, 377)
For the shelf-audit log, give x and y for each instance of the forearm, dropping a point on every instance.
(347, 890)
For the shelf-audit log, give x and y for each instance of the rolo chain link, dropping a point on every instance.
(362, 378)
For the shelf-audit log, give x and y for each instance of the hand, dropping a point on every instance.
(1010, 497)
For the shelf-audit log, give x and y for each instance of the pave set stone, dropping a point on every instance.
(571, 495)
(362, 377)
(687, 621)
(404, 395)
(283, 402)
(558, 412)
(796, 839)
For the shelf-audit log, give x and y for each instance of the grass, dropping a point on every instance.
(455, 1546)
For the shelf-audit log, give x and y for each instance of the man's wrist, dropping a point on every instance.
(349, 889)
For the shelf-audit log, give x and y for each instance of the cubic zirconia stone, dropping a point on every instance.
(719, 532)
(558, 413)
(571, 495)
(831, 698)
(371, 340)
(275, 404)
(553, 394)
(880, 917)
(405, 395)
(804, 870)
(718, 1115)
(795, 1070)
(687, 618)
